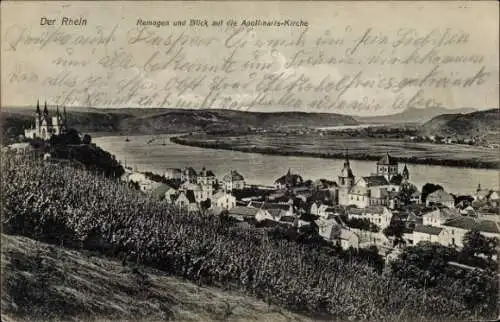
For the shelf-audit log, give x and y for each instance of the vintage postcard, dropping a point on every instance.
(250, 161)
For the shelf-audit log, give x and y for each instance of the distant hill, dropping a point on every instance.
(482, 123)
(155, 121)
(412, 115)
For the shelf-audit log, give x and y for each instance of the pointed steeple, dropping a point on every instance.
(406, 173)
(64, 114)
(346, 162)
(38, 107)
(289, 173)
(478, 189)
(45, 110)
(346, 171)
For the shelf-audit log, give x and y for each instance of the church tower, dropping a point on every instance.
(346, 177)
(57, 122)
(387, 166)
(45, 129)
(346, 182)
(38, 118)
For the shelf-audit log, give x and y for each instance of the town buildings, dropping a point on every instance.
(224, 200)
(377, 215)
(339, 209)
(45, 126)
(233, 181)
(206, 177)
(288, 181)
(333, 230)
(440, 197)
(381, 188)
(173, 174)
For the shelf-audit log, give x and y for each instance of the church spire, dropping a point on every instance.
(478, 187)
(346, 162)
(406, 173)
(38, 107)
(45, 110)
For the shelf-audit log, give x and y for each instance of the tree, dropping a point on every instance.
(86, 139)
(464, 199)
(429, 188)
(134, 185)
(407, 190)
(396, 229)
(205, 204)
(424, 264)
(70, 137)
(475, 244)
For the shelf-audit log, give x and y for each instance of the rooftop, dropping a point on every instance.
(440, 196)
(375, 181)
(367, 210)
(469, 223)
(189, 171)
(243, 211)
(206, 173)
(431, 230)
(387, 160)
(396, 180)
(233, 176)
(190, 196)
(269, 205)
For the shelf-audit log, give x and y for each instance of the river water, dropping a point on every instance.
(264, 169)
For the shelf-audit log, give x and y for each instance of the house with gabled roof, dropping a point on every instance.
(427, 233)
(288, 181)
(333, 230)
(223, 200)
(439, 216)
(205, 177)
(243, 213)
(187, 201)
(378, 215)
(233, 181)
(440, 197)
(456, 228)
(188, 174)
(164, 192)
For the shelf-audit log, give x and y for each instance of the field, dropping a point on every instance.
(42, 201)
(333, 146)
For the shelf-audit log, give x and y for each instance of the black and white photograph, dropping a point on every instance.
(249, 161)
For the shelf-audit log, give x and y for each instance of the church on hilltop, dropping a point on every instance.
(45, 126)
(380, 188)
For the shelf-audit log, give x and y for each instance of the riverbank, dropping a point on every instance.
(289, 146)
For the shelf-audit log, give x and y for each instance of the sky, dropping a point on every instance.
(114, 62)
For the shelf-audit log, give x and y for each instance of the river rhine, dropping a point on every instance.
(264, 169)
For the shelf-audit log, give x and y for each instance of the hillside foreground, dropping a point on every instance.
(46, 282)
